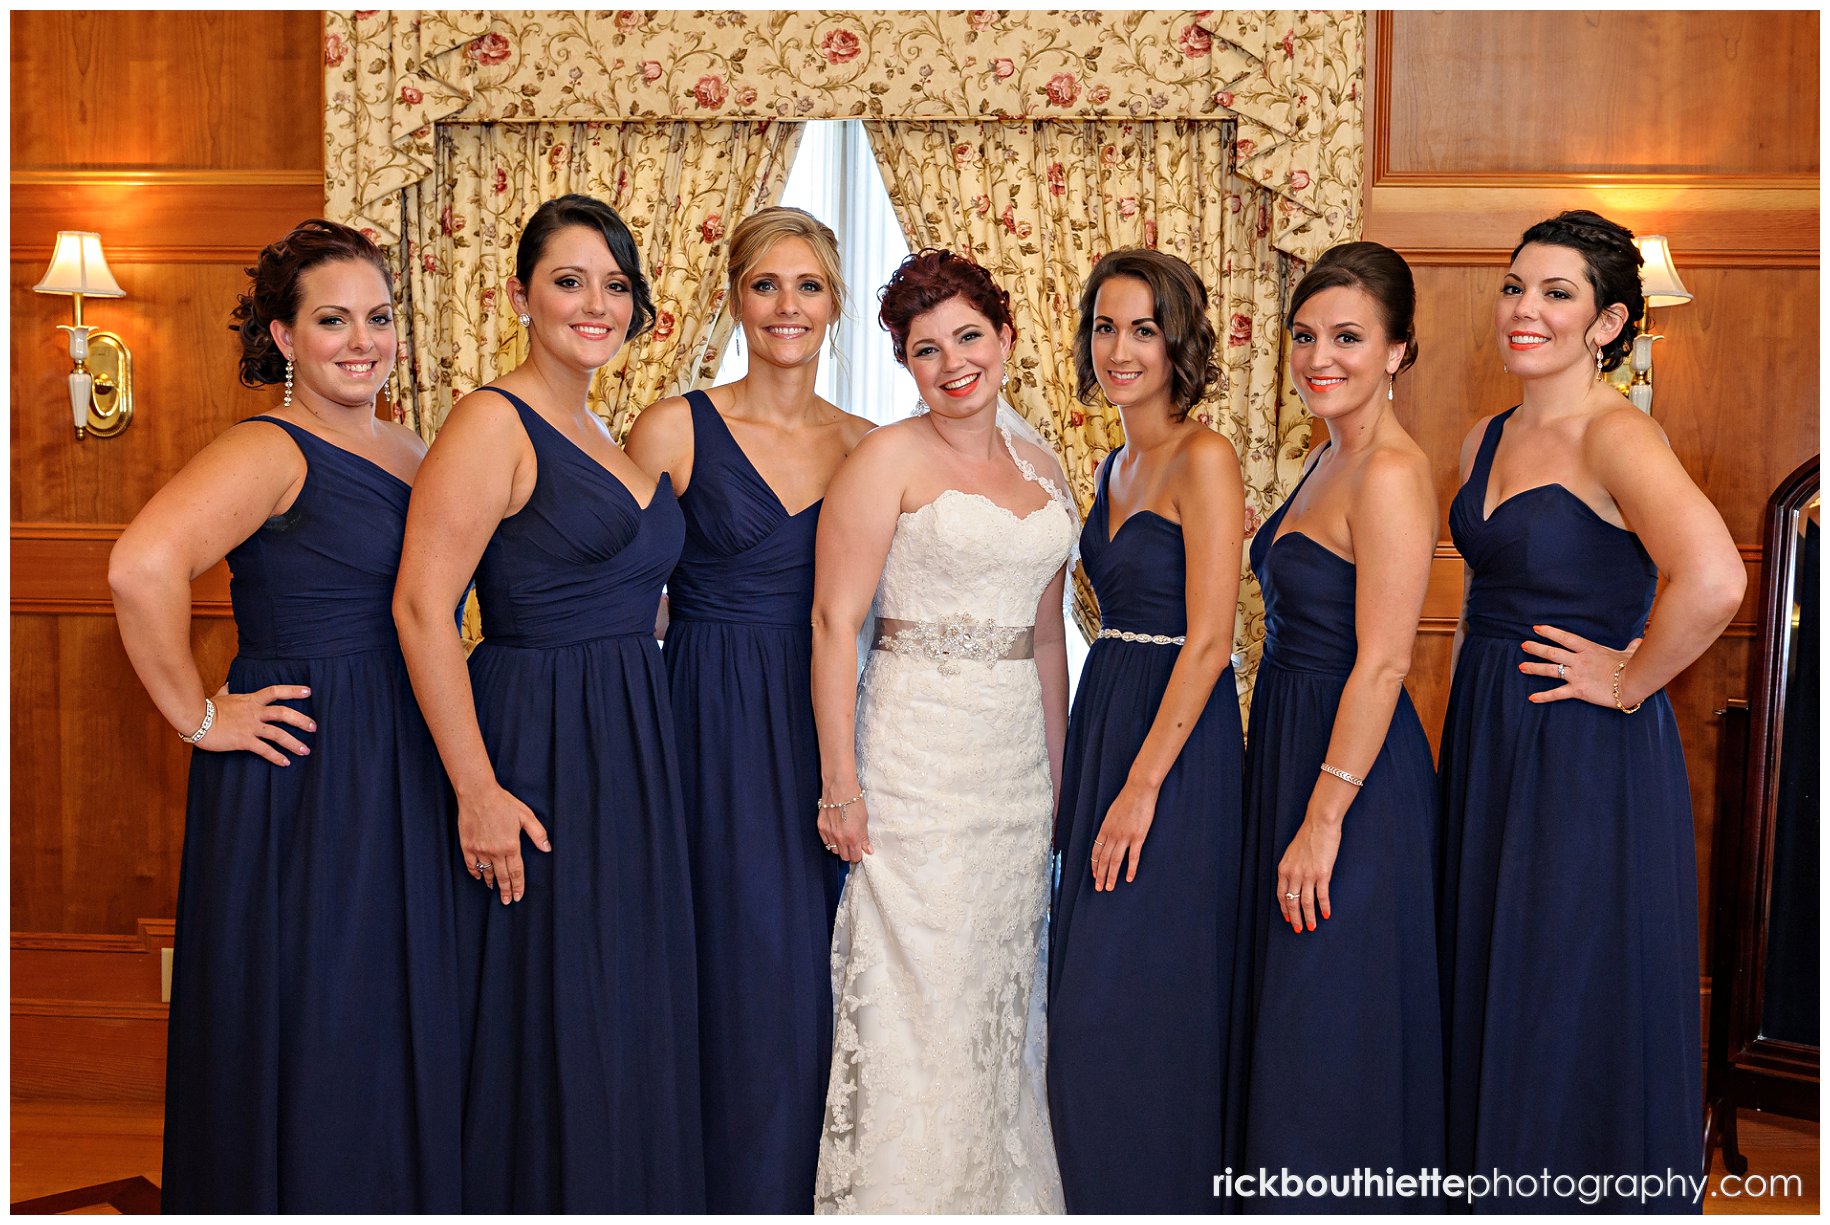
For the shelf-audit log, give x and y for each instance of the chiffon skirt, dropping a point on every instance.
(312, 1058)
(579, 1002)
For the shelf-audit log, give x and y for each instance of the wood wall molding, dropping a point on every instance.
(1442, 600)
(108, 1010)
(1466, 206)
(1718, 223)
(63, 568)
(165, 218)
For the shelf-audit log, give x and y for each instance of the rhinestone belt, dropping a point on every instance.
(1162, 640)
(947, 643)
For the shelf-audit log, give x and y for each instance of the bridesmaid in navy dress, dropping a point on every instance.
(579, 1016)
(1345, 1062)
(738, 660)
(1569, 904)
(310, 1043)
(1141, 956)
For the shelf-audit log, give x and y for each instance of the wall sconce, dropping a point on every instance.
(101, 384)
(1659, 282)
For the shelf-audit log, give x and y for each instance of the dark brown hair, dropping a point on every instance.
(574, 208)
(275, 288)
(1612, 261)
(1179, 306)
(930, 277)
(1378, 270)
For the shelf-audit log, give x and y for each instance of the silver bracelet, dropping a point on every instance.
(1343, 775)
(209, 717)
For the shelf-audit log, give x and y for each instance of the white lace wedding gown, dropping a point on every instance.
(937, 1101)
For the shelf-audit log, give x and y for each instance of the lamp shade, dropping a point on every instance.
(1659, 279)
(77, 267)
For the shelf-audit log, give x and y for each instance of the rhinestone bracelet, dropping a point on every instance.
(209, 717)
(1162, 640)
(1343, 775)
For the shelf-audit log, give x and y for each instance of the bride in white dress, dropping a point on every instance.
(941, 792)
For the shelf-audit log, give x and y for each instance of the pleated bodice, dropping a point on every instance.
(1537, 558)
(1143, 587)
(317, 581)
(583, 559)
(1308, 597)
(746, 559)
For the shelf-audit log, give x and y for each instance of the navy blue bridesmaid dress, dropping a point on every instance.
(739, 658)
(1140, 978)
(1568, 929)
(1345, 1064)
(311, 1044)
(579, 1009)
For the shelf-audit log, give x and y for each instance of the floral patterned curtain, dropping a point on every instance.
(676, 185)
(1038, 203)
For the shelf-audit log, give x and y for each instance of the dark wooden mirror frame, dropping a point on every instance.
(1746, 1070)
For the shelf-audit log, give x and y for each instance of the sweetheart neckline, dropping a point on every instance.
(966, 493)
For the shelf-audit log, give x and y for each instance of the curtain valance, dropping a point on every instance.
(1291, 79)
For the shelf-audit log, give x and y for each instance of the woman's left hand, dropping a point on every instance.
(1126, 825)
(1585, 668)
(1305, 870)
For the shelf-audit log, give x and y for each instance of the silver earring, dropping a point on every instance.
(288, 401)
(524, 319)
(1006, 380)
(921, 406)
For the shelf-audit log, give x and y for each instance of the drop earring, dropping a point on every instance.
(921, 406)
(287, 402)
(1391, 383)
(1599, 372)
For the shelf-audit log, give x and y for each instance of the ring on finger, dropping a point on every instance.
(1562, 671)
(1293, 897)
(482, 865)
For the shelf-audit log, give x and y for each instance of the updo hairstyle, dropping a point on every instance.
(1613, 265)
(930, 277)
(1384, 277)
(753, 237)
(275, 285)
(1179, 306)
(593, 214)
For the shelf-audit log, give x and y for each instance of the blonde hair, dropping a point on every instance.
(761, 230)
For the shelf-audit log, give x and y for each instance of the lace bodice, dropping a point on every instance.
(963, 555)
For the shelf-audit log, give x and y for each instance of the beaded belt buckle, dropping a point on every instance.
(1162, 640)
(948, 643)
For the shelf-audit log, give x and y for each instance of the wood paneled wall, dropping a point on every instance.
(188, 140)
(1699, 126)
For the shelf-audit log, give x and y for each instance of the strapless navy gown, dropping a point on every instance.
(1345, 1065)
(739, 644)
(580, 1014)
(311, 1044)
(1569, 900)
(1140, 978)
